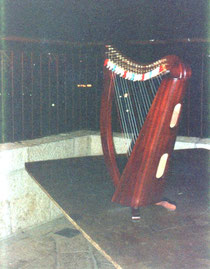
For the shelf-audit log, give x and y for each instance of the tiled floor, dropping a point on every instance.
(55, 245)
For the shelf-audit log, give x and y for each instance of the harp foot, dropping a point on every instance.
(135, 214)
(167, 205)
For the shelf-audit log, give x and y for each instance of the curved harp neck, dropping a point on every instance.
(129, 69)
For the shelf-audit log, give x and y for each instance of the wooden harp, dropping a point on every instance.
(149, 101)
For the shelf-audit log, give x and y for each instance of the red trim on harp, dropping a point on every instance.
(106, 62)
(138, 185)
(125, 73)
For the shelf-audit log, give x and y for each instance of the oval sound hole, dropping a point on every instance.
(162, 165)
(175, 115)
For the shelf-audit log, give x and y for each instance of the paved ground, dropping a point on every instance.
(55, 245)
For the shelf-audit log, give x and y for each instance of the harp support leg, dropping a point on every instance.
(167, 204)
(135, 214)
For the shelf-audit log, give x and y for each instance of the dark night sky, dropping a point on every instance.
(113, 21)
(97, 20)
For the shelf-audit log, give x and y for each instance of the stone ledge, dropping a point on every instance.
(22, 203)
(183, 142)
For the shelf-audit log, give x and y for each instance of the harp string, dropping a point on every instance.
(120, 109)
(125, 108)
(139, 95)
(139, 109)
(133, 100)
(129, 108)
(137, 103)
(133, 130)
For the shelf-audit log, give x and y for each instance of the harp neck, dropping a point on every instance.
(128, 69)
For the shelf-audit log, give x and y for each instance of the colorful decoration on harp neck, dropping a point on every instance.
(161, 69)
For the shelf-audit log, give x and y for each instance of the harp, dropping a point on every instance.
(149, 99)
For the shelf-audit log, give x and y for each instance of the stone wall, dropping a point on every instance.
(22, 203)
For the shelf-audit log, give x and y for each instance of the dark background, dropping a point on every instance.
(96, 21)
(111, 20)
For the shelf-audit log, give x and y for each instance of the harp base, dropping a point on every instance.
(167, 204)
(135, 214)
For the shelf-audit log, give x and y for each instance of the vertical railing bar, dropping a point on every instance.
(22, 95)
(65, 92)
(86, 93)
(2, 99)
(57, 93)
(73, 90)
(188, 111)
(40, 95)
(49, 94)
(202, 95)
(96, 93)
(12, 94)
(80, 75)
(32, 96)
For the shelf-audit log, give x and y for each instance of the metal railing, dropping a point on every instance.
(44, 93)
(51, 88)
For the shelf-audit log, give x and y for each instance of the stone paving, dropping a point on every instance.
(55, 245)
